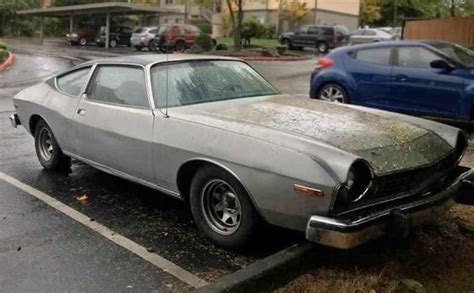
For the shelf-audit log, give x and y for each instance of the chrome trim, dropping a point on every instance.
(348, 233)
(124, 175)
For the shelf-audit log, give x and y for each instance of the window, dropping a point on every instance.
(327, 31)
(168, 1)
(369, 33)
(115, 84)
(357, 33)
(457, 53)
(380, 56)
(313, 30)
(72, 83)
(206, 81)
(153, 31)
(302, 30)
(417, 57)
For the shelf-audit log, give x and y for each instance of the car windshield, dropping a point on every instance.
(202, 81)
(141, 30)
(457, 53)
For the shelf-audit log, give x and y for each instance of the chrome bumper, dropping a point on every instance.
(14, 120)
(346, 234)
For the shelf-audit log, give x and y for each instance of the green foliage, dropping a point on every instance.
(12, 24)
(370, 11)
(3, 46)
(204, 26)
(204, 41)
(3, 55)
(254, 29)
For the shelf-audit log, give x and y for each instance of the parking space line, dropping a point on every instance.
(118, 239)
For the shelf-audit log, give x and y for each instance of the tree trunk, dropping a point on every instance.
(238, 32)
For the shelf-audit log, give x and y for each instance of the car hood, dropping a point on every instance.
(388, 144)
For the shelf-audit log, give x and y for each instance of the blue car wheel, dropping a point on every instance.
(333, 93)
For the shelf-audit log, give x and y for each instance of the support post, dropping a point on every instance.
(71, 23)
(41, 30)
(107, 30)
(315, 12)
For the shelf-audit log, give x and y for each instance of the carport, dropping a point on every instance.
(107, 8)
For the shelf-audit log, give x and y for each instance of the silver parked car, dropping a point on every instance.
(363, 36)
(143, 38)
(213, 132)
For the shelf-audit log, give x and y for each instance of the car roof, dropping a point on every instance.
(155, 58)
(387, 44)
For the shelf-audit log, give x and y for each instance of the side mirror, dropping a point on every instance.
(441, 64)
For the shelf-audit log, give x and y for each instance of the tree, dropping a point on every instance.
(369, 11)
(236, 21)
(296, 11)
(10, 22)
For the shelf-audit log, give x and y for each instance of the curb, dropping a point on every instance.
(8, 62)
(264, 58)
(268, 273)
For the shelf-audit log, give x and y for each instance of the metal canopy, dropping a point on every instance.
(97, 8)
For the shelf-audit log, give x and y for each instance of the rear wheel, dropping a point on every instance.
(222, 209)
(179, 46)
(322, 47)
(113, 43)
(138, 48)
(47, 149)
(152, 45)
(82, 41)
(288, 44)
(333, 93)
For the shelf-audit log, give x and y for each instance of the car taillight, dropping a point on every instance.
(324, 62)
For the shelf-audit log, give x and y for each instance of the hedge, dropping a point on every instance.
(3, 55)
(3, 46)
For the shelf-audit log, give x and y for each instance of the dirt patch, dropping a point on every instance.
(437, 258)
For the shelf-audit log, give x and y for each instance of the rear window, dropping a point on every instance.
(342, 30)
(379, 56)
(327, 31)
(73, 82)
(140, 30)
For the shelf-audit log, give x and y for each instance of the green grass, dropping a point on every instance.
(254, 42)
(3, 46)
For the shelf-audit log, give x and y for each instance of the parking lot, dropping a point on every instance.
(45, 248)
(90, 231)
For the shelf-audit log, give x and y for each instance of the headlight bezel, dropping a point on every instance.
(358, 184)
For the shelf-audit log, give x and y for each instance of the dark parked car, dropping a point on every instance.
(321, 37)
(119, 35)
(81, 37)
(425, 78)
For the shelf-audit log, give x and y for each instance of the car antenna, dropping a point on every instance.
(166, 87)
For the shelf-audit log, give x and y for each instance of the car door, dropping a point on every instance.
(356, 37)
(313, 36)
(301, 36)
(371, 71)
(423, 90)
(113, 122)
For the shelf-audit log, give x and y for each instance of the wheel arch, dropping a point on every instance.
(337, 82)
(188, 170)
(33, 121)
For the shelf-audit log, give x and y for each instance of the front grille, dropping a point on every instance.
(406, 181)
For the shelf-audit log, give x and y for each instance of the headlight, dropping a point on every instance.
(461, 146)
(358, 183)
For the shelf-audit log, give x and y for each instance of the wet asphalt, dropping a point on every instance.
(43, 250)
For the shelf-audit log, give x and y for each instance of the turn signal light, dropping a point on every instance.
(307, 190)
(324, 62)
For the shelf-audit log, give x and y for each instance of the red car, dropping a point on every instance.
(81, 37)
(177, 37)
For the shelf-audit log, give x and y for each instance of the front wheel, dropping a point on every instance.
(179, 46)
(48, 151)
(322, 47)
(113, 43)
(82, 41)
(333, 93)
(222, 209)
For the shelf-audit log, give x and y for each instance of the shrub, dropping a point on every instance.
(3, 55)
(204, 26)
(204, 41)
(270, 31)
(3, 46)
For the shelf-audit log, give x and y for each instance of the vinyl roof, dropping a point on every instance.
(112, 7)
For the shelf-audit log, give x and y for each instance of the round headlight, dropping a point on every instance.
(358, 183)
(461, 146)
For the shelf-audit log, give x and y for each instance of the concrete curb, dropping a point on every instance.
(8, 62)
(268, 273)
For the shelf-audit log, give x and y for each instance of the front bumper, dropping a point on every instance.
(346, 234)
(14, 120)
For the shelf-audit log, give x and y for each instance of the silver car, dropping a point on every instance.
(213, 132)
(143, 38)
(363, 36)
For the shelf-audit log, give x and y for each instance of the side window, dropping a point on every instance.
(357, 33)
(369, 33)
(116, 84)
(417, 57)
(327, 31)
(72, 83)
(380, 56)
(153, 31)
(302, 30)
(313, 30)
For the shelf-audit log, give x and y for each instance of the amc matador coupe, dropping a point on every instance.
(214, 133)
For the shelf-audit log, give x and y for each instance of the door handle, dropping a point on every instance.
(401, 77)
(81, 112)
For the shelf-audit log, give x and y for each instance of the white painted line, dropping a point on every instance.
(118, 239)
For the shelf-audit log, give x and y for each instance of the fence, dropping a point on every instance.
(457, 30)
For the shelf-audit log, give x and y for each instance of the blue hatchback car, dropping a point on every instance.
(424, 78)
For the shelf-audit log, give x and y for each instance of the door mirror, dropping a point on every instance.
(441, 64)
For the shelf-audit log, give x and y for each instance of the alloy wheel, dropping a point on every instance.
(332, 94)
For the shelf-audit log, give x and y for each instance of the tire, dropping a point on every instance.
(179, 46)
(48, 151)
(333, 92)
(151, 45)
(322, 47)
(138, 48)
(113, 43)
(82, 41)
(287, 42)
(234, 232)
